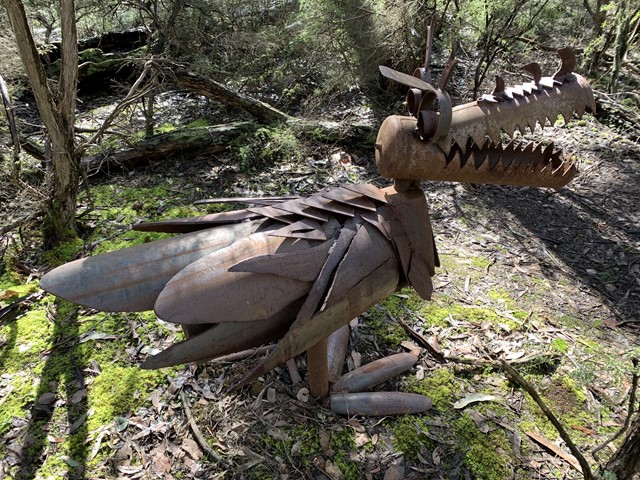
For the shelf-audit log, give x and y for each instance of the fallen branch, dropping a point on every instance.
(198, 434)
(19, 222)
(215, 138)
(630, 410)
(519, 379)
(213, 90)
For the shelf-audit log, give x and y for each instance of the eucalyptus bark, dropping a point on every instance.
(58, 115)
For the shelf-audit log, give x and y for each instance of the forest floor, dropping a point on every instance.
(548, 280)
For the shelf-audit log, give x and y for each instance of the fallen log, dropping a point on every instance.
(195, 140)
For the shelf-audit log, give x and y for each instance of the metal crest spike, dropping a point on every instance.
(568, 63)
(536, 72)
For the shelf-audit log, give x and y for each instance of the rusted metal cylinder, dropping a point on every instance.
(401, 154)
(473, 151)
(337, 351)
(378, 404)
(376, 372)
(477, 119)
(132, 278)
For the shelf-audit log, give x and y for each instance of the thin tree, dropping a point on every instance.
(57, 111)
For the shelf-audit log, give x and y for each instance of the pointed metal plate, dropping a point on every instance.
(350, 198)
(302, 265)
(132, 278)
(318, 201)
(368, 190)
(193, 224)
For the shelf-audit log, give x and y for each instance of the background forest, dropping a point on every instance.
(122, 111)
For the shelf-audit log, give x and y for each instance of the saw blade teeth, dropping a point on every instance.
(547, 82)
(580, 109)
(488, 98)
(494, 137)
(548, 151)
(493, 158)
(528, 148)
(567, 114)
(478, 138)
(515, 92)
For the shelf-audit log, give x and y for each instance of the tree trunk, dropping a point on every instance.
(625, 463)
(58, 116)
(209, 88)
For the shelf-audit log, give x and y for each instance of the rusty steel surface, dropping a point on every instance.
(479, 142)
(377, 404)
(293, 270)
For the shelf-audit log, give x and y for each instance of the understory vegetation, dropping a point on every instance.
(548, 281)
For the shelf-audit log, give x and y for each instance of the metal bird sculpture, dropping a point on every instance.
(294, 270)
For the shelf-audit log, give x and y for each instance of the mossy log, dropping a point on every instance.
(187, 141)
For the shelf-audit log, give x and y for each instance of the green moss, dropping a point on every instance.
(570, 321)
(439, 386)
(266, 145)
(165, 128)
(118, 391)
(342, 442)
(198, 123)
(486, 455)
(567, 401)
(560, 345)
(64, 252)
(409, 435)
(480, 262)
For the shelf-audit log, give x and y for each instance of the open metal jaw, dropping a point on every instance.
(294, 270)
(471, 146)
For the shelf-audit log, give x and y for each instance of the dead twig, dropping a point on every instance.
(19, 222)
(519, 379)
(422, 341)
(631, 409)
(198, 434)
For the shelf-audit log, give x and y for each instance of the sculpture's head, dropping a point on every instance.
(478, 142)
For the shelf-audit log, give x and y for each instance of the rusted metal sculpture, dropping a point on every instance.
(294, 270)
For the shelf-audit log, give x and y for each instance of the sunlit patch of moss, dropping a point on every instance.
(165, 128)
(64, 252)
(11, 291)
(30, 336)
(570, 321)
(480, 262)
(560, 345)
(567, 401)
(342, 442)
(487, 456)
(409, 435)
(438, 385)
(438, 314)
(200, 122)
(128, 204)
(118, 391)
(9, 279)
(128, 239)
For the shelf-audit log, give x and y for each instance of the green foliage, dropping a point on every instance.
(265, 146)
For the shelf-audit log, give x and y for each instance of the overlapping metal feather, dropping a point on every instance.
(292, 270)
(473, 150)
